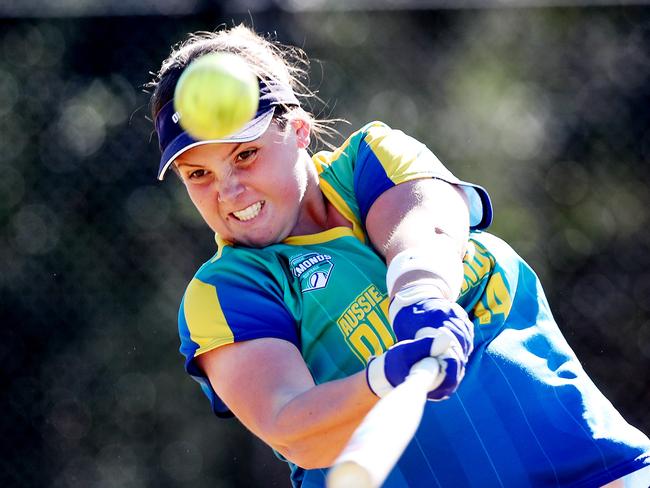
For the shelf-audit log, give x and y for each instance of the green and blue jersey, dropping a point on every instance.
(526, 414)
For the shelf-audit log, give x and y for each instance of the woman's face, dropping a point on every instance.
(251, 193)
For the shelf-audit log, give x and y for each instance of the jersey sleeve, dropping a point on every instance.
(226, 302)
(376, 158)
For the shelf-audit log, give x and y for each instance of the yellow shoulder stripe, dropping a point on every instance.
(205, 319)
(323, 159)
(402, 157)
(342, 207)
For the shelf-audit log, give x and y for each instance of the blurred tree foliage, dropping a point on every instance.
(547, 108)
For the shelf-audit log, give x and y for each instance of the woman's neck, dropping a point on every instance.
(318, 213)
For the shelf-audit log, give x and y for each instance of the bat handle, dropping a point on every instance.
(378, 442)
(425, 372)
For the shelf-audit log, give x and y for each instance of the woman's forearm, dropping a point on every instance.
(313, 427)
(268, 387)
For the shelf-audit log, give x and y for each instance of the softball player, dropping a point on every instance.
(297, 326)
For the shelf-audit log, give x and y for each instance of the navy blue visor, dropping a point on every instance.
(174, 141)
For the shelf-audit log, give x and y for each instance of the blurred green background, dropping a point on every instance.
(545, 107)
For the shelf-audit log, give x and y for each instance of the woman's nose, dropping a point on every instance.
(230, 189)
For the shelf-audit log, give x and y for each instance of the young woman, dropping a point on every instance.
(289, 327)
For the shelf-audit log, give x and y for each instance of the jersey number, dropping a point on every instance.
(496, 300)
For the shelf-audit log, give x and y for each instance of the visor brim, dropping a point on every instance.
(184, 142)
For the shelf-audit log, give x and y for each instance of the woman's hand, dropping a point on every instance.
(416, 316)
(390, 369)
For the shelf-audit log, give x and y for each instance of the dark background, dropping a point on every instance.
(546, 107)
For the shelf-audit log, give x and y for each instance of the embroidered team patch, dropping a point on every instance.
(313, 269)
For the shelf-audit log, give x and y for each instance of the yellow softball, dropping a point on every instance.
(216, 96)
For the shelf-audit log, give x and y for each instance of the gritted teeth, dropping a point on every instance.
(249, 212)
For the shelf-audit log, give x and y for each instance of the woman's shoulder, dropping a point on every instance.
(237, 263)
(346, 152)
(369, 129)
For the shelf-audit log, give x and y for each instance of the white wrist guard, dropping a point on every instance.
(376, 378)
(445, 265)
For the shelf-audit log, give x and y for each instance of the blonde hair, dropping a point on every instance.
(269, 59)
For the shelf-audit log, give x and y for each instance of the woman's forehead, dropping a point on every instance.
(224, 150)
(211, 151)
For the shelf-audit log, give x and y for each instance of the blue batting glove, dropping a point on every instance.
(414, 314)
(452, 367)
(427, 316)
(385, 372)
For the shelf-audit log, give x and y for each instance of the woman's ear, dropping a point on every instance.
(302, 128)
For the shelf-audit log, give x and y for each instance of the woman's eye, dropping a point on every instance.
(246, 156)
(197, 173)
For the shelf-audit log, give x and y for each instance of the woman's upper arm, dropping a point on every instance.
(401, 215)
(256, 379)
